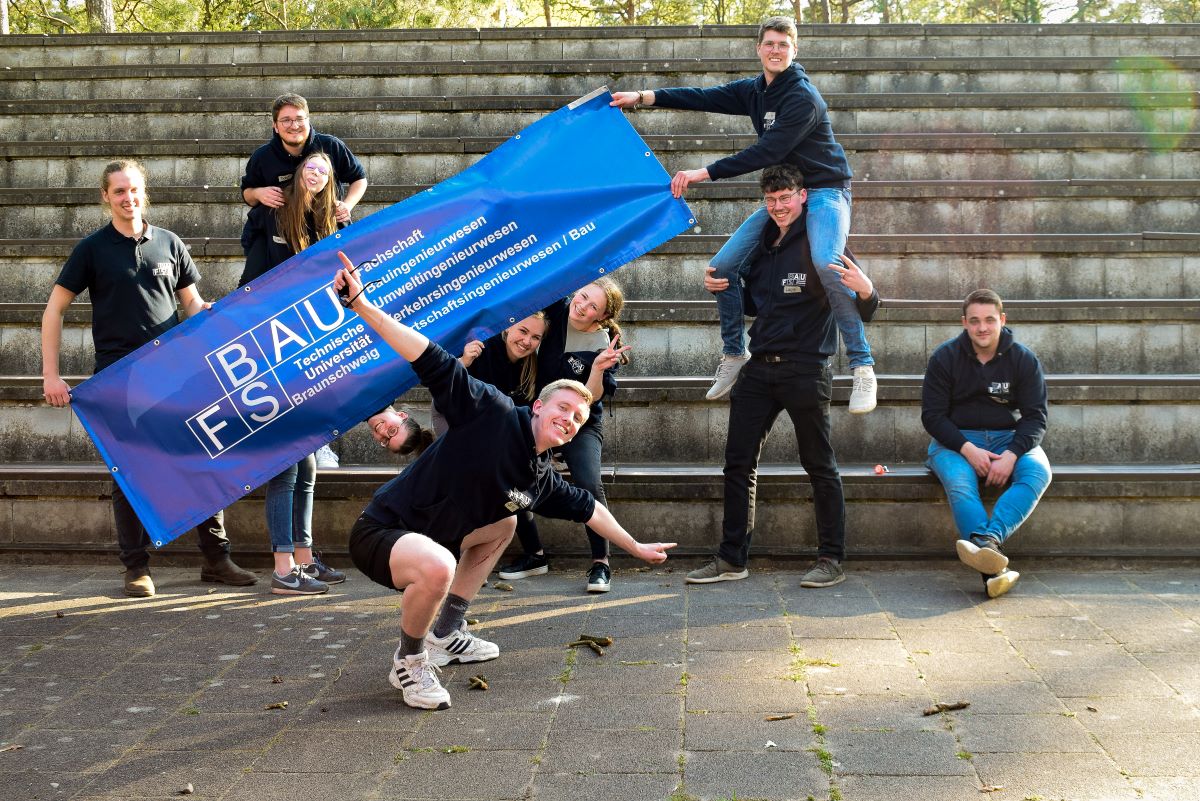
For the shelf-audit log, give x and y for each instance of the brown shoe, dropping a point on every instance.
(224, 571)
(138, 583)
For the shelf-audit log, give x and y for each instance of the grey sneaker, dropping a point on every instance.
(716, 570)
(326, 458)
(1001, 583)
(825, 573)
(297, 582)
(863, 395)
(727, 373)
(982, 553)
(323, 572)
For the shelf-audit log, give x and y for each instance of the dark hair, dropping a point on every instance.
(288, 99)
(780, 177)
(983, 296)
(784, 25)
(417, 439)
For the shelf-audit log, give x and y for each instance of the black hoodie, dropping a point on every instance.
(1009, 392)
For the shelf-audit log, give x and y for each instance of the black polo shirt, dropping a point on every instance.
(132, 283)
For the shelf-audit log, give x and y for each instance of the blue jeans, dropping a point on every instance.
(290, 505)
(828, 223)
(1030, 477)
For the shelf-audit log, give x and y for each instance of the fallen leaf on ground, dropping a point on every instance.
(478, 683)
(277, 705)
(277, 679)
(1092, 709)
(945, 707)
(991, 788)
(503, 585)
(788, 716)
(12, 747)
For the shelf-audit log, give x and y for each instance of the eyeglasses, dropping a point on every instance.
(775, 201)
(775, 45)
(314, 166)
(288, 122)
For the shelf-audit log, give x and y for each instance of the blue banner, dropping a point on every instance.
(229, 398)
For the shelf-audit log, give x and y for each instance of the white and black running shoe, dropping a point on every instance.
(416, 678)
(459, 645)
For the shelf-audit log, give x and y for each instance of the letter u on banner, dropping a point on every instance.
(229, 398)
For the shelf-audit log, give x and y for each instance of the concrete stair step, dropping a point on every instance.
(366, 79)
(502, 116)
(1094, 418)
(953, 156)
(1035, 266)
(924, 206)
(657, 42)
(1125, 510)
(671, 337)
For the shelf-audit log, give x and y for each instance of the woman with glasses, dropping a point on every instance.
(308, 215)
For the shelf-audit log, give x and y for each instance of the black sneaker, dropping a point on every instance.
(599, 578)
(323, 572)
(530, 564)
(982, 553)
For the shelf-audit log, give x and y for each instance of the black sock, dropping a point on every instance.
(410, 645)
(454, 611)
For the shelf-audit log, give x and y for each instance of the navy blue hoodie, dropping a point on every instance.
(1009, 392)
(791, 120)
(484, 469)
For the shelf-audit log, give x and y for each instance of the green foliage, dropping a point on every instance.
(69, 16)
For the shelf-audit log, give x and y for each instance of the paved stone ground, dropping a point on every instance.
(1083, 684)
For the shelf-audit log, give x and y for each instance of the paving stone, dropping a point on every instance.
(1078, 777)
(1064, 655)
(725, 731)
(923, 753)
(849, 714)
(1105, 682)
(552, 786)
(782, 775)
(221, 731)
(615, 711)
(62, 750)
(850, 679)
(999, 698)
(1157, 788)
(856, 652)
(246, 696)
(739, 637)
(164, 773)
(474, 774)
(891, 788)
(37, 693)
(1146, 716)
(641, 749)
(981, 667)
(308, 749)
(35, 785)
(95, 711)
(1021, 733)
(875, 626)
(1066, 627)
(1164, 754)
(739, 664)
(751, 695)
(260, 785)
(506, 731)
(960, 641)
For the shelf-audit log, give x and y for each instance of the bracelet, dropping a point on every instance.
(641, 98)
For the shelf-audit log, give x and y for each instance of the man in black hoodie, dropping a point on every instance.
(792, 122)
(436, 530)
(791, 340)
(984, 404)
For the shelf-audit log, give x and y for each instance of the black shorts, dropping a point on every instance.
(371, 549)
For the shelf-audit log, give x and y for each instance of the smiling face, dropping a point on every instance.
(315, 173)
(776, 51)
(556, 421)
(982, 323)
(589, 306)
(388, 429)
(125, 195)
(785, 206)
(291, 123)
(523, 339)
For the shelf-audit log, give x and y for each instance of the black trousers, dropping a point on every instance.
(762, 391)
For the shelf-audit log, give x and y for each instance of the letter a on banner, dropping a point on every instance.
(229, 398)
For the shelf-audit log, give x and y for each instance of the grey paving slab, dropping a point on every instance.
(693, 672)
(1078, 777)
(784, 775)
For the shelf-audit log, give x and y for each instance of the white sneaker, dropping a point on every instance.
(416, 678)
(1001, 583)
(727, 373)
(326, 458)
(460, 646)
(862, 396)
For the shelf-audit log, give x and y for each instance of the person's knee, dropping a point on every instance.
(427, 565)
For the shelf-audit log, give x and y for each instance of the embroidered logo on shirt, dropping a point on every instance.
(576, 365)
(517, 500)
(999, 391)
(162, 269)
(794, 283)
(768, 120)
(279, 240)
(283, 179)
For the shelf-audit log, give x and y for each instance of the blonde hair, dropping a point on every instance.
(291, 219)
(528, 381)
(123, 165)
(614, 302)
(565, 383)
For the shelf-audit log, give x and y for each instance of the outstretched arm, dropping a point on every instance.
(408, 343)
(604, 524)
(55, 390)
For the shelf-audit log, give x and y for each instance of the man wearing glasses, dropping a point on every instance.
(791, 340)
(272, 165)
(792, 122)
